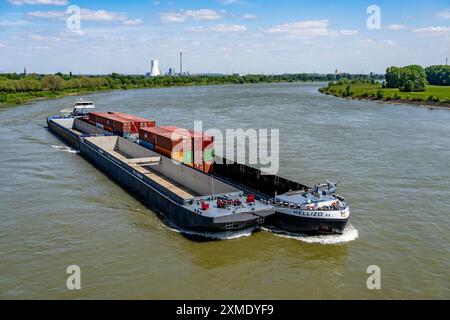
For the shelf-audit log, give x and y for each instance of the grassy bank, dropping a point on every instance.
(433, 96)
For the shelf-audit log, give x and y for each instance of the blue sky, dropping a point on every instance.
(226, 36)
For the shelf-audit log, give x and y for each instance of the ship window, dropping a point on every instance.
(228, 225)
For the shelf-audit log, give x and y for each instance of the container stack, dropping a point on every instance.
(189, 147)
(119, 123)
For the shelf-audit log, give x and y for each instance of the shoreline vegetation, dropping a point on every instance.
(18, 89)
(409, 85)
(434, 96)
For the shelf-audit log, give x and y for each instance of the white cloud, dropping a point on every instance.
(89, 15)
(302, 29)
(378, 43)
(196, 29)
(228, 28)
(218, 28)
(397, 27)
(2, 45)
(433, 31)
(183, 16)
(13, 23)
(249, 16)
(172, 17)
(444, 14)
(37, 37)
(132, 22)
(349, 32)
(47, 14)
(45, 2)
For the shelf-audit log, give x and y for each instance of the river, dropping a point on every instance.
(57, 210)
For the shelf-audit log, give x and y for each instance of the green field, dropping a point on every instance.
(365, 90)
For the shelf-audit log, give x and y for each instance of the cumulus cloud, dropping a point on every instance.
(433, 31)
(46, 2)
(89, 15)
(228, 28)
(348, 32)
(378, 43)
(444, 14)
(222, 28)
(249, 16)
(397, 27)
(302, 29)
(13, 23)
(183, 16)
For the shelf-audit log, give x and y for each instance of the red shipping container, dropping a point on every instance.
(171, 141)
(169, 128)
(140, 122)
(148, 134)
(206, 140)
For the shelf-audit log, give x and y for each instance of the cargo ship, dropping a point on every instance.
(299, 209)
(186, 196)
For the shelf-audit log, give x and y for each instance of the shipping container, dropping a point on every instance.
(139, 121)
(178, 156)
(173, 141)
(208, 168)
(147, 145)
(148, 134)
(209, 155)
(207, 140)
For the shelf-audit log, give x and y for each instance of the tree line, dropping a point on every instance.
(415, 78)
(16, 83)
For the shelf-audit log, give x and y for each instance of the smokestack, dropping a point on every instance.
(181, 63)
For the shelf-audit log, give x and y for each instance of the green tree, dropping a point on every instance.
(52, 83)
(438, 75)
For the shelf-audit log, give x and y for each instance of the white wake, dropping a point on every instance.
(350, 234)
(65, 149)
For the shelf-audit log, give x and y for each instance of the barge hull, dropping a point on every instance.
(171, 210)
(308, 226)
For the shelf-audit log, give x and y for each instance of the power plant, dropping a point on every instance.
(155, 71)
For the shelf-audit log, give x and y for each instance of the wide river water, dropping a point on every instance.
(57, 210)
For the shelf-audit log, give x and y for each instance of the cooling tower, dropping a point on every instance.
(155, 69)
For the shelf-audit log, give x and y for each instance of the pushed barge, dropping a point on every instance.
(299, 208)
(189, 198)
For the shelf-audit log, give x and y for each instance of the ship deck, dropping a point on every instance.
(168, 183)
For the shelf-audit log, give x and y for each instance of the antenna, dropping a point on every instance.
(446, 61)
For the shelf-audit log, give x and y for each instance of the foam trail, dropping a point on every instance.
(350, 234)
(65, 149)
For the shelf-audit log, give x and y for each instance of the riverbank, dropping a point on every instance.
(19, 89)
(434, 96)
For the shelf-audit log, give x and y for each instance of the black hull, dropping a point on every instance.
(68, 137)
(308, 226)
